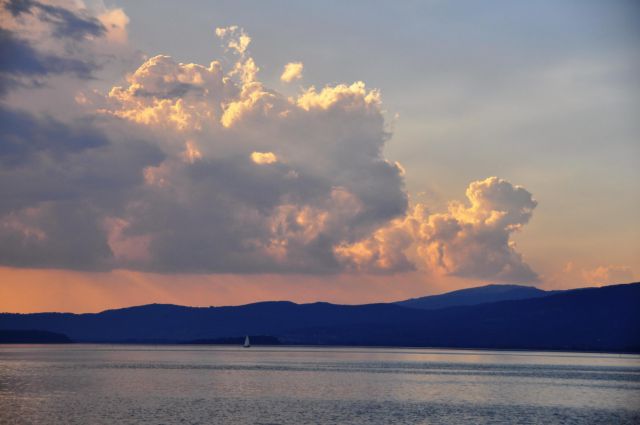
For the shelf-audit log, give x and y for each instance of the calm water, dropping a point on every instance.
(103, 384)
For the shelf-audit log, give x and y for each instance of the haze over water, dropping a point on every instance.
(81, 384)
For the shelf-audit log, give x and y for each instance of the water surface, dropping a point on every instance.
(106, 384)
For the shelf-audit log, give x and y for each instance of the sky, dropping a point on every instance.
(222, 153)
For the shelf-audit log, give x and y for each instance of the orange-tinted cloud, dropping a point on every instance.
(115, 22)
(203, 205)
(468, 241)
(178, 182)
(292, 71)
(263, 157)
(604, 275)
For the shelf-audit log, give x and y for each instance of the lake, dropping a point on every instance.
(108, 384)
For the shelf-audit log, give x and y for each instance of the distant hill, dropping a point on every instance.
(605, 319)
(473, 296)
(11, 336)
(157, 323)
(589, 319)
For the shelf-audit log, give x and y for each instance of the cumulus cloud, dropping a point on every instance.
(20, 63)
(59, 182)
(41, 39)
(470, 240)
(263, 157)
(65, 22)
(286, 217)
(202, 168)
(474, 241)
(200, 198)
(575, 274)
(292, 71)
(235, 38)
(25, 137)
(115, 22)
(606, 275)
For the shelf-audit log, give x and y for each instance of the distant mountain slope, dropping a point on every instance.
(589, 319)
(605, 318)
(171, 323)
(473, 296)
(32, 337)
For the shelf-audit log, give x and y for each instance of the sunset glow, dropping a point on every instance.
(234, 162)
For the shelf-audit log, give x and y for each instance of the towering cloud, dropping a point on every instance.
(474, 241)
(468, 240)
(202, 168)
(224, 209)
(240, 178)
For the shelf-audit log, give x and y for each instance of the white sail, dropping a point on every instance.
(246, 342)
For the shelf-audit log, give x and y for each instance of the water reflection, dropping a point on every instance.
(191, 384)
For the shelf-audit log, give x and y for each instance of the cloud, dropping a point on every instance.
(66, 23)
(292, 71)
(24, 137)
(39, 40)
(474, 241)
(59, 46)
(58, 182)
(20, 59)
(115, 22)
(576, 273)
(235, 39)
(196, 195)
(203, 169)
(467, 241)
(606, 275)
(264, 157)
(384, 251)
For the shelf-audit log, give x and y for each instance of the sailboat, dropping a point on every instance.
(247, 344)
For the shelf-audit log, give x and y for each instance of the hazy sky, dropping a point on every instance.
(212, 153)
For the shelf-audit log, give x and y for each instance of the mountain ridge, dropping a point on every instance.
(404, 303)
(475, 295)
(604, 318)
